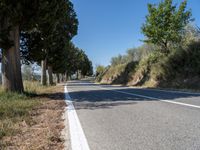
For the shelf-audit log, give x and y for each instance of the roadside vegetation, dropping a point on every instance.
(14, 109)
(36, 53)
(32, 120)
(39, 32)
(169, 56)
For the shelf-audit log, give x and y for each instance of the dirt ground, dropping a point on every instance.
(44, 131)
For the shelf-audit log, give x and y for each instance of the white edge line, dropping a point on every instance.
(78, 139)
(162, 90)
(153, 98)
(170, 91)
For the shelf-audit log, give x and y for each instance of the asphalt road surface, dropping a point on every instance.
(122, 118)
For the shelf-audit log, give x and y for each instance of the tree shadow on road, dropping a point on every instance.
(100, 98)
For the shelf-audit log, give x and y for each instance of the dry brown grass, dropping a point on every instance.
(32, 122)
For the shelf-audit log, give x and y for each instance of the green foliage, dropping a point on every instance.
(170, 57)
(123, 66)
(181, 68)
(188, 59)
(50, 40)
(118, 60)
(56, 23)
(86, 68)
(77, 60)
(118, 74)
(66, 28)
(165, 24)
(100, 70)
(133, 54)
(46, 28)
(16, 13)
(144, 67)
(122, 73)
(112, 73)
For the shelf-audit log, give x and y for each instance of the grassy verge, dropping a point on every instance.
(15, 108)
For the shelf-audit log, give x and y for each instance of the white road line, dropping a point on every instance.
(154, 98)
(78, 139)
(179, 103)
(170, 91)
(152, 89)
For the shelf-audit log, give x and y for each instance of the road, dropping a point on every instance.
(123, 118)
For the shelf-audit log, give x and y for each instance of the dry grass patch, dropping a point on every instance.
(32, 121)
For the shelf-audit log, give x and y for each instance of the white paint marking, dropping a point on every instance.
(161, 90)
(179, 103)
(154, 98)
(78, 139)
(170, 91)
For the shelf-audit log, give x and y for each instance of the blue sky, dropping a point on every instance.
(109, 27)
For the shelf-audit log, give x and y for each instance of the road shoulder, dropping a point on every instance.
(46, 126)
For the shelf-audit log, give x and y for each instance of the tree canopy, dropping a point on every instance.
(38, 31)
(165, 23)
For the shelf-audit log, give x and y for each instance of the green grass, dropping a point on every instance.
(15, 108)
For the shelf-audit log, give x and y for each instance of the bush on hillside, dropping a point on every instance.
(119, 74)
(112, 73)
(100, 71)
(125, 74)
(183, 67)
(144, 67)
(180, 69)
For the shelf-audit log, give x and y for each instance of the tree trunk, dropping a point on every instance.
(66, 76)
(11, 66)
(77, 75)
(62, 77)
(44, 74)
(57, 77)
(50, 73)
(81, 76)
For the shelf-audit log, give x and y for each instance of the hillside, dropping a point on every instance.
(179, 69)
